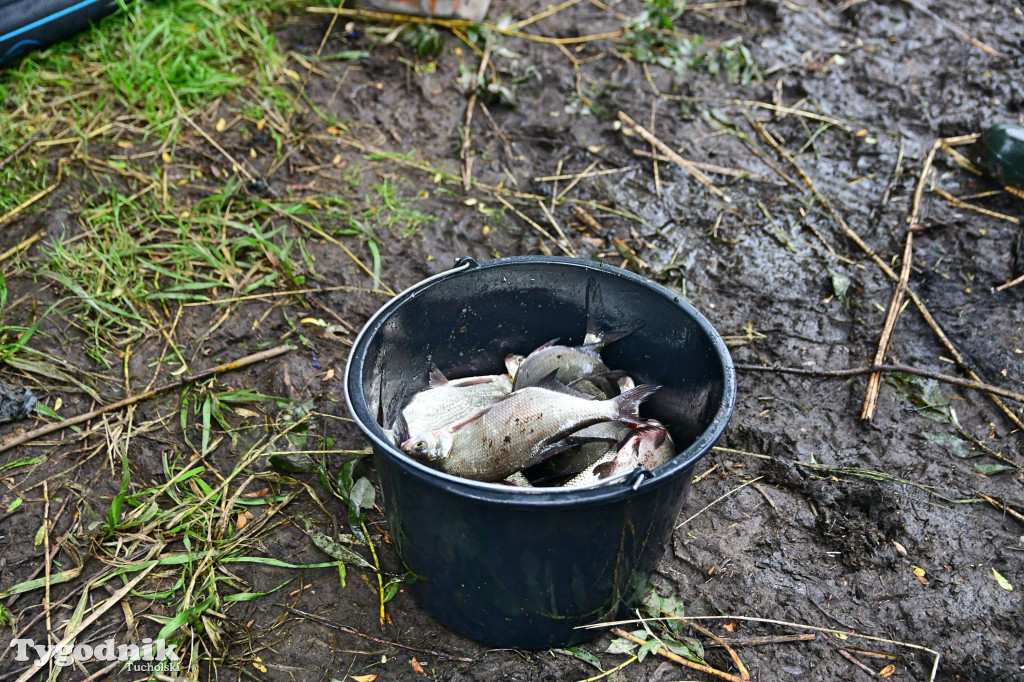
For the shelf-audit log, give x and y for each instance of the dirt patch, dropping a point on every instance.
(873, 528)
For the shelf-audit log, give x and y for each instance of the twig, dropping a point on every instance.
(17, 152)
(28, 202)
(762, 641)
(575, 181)
(352, 631)
(588, 219)
(958, 203)
(573, 176)
(1000, 506)
(712, 168)
(848, 656)
(676, 158)
(880, 262)
(896, 304)
(785, 623)
(1001, 287)
(464, 152)
(558, 229)
(679, 659)
(533, 224)
(898, 369)
(145, 395)
(24, 244)
(654, 159)
(960, 33)
(720, 641)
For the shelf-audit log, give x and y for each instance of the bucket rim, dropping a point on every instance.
(629, 485)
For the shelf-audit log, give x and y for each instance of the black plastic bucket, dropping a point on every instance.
(513, 567)
(27, 25)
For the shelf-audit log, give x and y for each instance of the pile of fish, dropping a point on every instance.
(559, 416)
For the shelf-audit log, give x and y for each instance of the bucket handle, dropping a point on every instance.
(638, 476)
(461, 264)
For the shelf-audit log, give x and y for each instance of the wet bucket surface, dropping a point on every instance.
(522, 568)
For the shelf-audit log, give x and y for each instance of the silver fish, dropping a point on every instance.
(648, 447)
(569, 364)
(447, 402)
(520, 430)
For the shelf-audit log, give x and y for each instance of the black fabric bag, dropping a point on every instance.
(27, 25)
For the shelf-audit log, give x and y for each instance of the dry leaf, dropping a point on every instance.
(257, 663)
(1003, 582)
(364, 678)
(166, 157)
(918, 571)
(257, 493)
(241, 521)
(221, 125)
(887, 671)
(899, 548)
(328, 375)
(294, 75)
(125, 144)
(730, 626)
(416, 667)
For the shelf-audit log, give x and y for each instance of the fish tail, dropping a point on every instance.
(627, 405)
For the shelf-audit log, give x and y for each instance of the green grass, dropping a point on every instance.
(136, 68)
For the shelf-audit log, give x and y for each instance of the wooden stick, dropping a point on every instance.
(898, 369)
(145, 395)
(671, 154)
(712, 168)
(24, 244)
(896, 304)
(1000, 506)
(588, 219)
(725, 645)
(960, 33)
(1012, 283)
(762, 641)
(880, 262)
(679, 659)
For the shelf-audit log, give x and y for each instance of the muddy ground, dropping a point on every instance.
(876, 528)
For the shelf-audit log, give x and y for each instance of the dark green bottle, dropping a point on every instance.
(1001, 153)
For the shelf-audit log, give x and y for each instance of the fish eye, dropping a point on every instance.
(420, 447)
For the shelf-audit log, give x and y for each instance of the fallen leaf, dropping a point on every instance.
(887, 671)
(257, 663)
(899, 548)
(416, 667)
(364, 678)
(918, 571)
(221, 125)
(1003, 582)
(257, 493)
(294, 75)
(125, 144)
(730, 626)
(328, 375)
(166, 157)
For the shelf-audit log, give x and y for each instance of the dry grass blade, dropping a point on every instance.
(719, 499)
(21, 246)
(675, 158)
(896, 304)
(93, 617)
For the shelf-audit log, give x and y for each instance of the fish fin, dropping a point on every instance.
(437, 377)
(401, 429)
(550, 383)
(604, 381)
(595, 344)
(627, 405)
(546, 344)
(548, 451)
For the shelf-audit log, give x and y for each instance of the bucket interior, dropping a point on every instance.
(468, 322)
